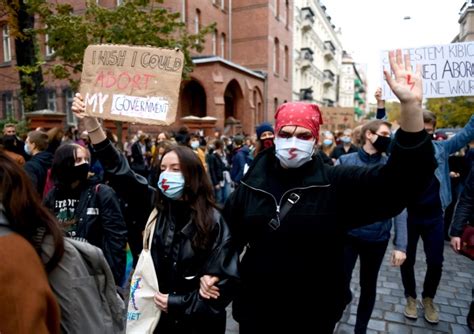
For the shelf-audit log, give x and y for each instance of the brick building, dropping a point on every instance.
(241, 76)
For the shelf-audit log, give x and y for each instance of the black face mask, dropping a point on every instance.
(76, 173)
(382, 143)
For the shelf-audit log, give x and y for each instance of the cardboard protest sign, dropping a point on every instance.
(447, 70)
(132, 83)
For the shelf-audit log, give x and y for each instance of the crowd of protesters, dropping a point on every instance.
(242, 218)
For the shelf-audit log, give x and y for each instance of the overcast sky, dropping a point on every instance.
(369, 26)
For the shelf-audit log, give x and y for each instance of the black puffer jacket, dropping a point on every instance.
(464, 212)
(101, 223)
(180, 266)
(301, 263)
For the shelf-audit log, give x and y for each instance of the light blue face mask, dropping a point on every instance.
(327, 142)
(27, 149)
(171, 184)
(195, 145)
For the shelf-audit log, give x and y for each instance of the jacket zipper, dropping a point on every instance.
(278, 204)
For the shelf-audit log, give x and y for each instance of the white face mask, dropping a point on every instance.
(293, 152)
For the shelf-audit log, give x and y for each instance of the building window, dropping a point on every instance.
(197, 21)
(287, 13)
(214, 42)
(275, 104)
(276, 56)
(286, 62)
(7, 51)
(8, 105)
(68, 98)
(223, 45)
(49, 50)
(51, 100)
(277, 8)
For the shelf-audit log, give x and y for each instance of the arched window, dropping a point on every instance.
(223, 45)
(286, 63)
(197, 21)
(287, 13)
(214, 42)
(276, 56)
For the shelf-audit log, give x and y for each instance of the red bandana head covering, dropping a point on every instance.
(301, 114)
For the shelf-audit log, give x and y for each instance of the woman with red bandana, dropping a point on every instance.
(292, 212)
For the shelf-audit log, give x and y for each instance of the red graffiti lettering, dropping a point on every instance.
(411, 83)
(164, 186)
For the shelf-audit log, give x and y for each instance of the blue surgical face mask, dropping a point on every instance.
(195, 145)
(27, 149)
(327, 142)
(346, 139)
(171, 184)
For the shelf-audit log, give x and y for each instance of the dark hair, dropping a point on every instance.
(25, 212)
(39, 138)
(63, 161)
(198, 193)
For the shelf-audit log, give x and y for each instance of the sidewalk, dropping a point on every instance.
(453, 299)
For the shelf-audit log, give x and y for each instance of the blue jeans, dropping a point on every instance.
(222, 193)
(431, 231)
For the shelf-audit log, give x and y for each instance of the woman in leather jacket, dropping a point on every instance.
(191, 240)
(191, 245)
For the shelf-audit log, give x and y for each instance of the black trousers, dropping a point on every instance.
(371, 255)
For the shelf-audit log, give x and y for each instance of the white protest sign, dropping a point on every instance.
(132, 83)
(447, 70)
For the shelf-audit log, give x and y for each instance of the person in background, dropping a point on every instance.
(328, 144)
(87, 211)
(425, 220)
(265, 137)
(195, 144)
(36, 145)
(345, 147)
(369, 243)
(218, 168)
(10, 145)
(28, 304)
(464, 215)
(240, 157)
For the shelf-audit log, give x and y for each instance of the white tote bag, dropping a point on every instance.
(142, 312)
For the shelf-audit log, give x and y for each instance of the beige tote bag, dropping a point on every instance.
(142, 312)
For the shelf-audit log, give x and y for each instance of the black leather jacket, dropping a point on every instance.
(464, 213)
(180, 266)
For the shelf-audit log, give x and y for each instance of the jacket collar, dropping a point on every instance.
(369, 158)
(313, 172)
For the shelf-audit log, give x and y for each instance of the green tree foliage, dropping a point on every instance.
(393, 111)
(451, 112)
(135, 22)
(21, 22)
(21, 126)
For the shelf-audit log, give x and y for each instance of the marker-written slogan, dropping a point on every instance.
(447, 70)
(134, 84)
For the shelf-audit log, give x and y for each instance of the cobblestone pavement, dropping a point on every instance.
(453, 299)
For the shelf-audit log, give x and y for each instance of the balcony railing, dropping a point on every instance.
(306, 57)
(306, 94)
(307, 17)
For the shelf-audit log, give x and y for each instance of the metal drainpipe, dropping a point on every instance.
(184, 10)
(230, 30)
(265, 97)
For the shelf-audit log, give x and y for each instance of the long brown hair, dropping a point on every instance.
(23, 208)
(198, 193)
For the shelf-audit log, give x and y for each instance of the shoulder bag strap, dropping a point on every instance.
(286, 207)
(150, 229)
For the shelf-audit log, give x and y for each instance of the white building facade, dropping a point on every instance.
(317, 54)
